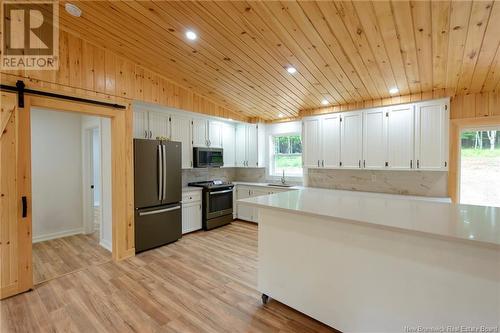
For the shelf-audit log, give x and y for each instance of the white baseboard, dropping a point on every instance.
(59, 234)
(106, 244)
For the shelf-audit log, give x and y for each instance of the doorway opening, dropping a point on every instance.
(71, 192)
(480, 166)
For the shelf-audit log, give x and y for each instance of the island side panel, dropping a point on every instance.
(360, 278)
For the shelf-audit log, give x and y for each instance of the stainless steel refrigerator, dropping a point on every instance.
(157, 193)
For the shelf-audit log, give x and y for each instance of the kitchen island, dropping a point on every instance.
(364, 263)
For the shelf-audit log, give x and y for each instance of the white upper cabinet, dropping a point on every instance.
(228, 144)
(311, 140)
(180, 130)
(330, 141)
(431, 135)
(400, 136)
(141, 126)
(351, 130)
(241, 142)
(215, 134)
(159, 125)
(375, 138)
(200, 132)
(250, 145)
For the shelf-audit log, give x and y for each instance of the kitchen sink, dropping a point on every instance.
(280, 185)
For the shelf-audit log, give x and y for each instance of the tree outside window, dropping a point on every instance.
(287, 155)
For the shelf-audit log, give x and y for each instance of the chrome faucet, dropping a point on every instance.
(283, 179)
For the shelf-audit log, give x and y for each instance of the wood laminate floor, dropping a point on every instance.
(57, 257)
(205, 282)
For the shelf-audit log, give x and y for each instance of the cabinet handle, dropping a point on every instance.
(318, 163)
(150, 134)
(364, 163)
(418, 164)
(359, 164)
(24, 202)
(323, 163)
(411, 164)
(145, 134)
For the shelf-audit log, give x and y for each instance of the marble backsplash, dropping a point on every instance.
(253, 175)
(201, 174)
(425, 183)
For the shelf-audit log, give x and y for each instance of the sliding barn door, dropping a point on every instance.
(15, 197)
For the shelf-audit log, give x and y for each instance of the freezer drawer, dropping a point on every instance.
(157, 226)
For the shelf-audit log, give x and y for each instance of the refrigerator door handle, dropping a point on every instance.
(164, 163)
(159, 211)
(160, 173)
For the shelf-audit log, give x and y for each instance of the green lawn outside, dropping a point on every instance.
(470, 152)
(289, 161)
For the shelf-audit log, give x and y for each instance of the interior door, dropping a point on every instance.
(330, 134)
(351, 139)
(16, 274)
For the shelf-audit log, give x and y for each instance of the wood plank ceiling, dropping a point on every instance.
(344, 52)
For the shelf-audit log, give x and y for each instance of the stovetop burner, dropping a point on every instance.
(216, 183)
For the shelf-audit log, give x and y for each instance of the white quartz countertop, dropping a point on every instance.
(294, 187)
(475, 224)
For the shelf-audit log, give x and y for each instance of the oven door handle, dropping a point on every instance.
(220, 192)
(159, 211)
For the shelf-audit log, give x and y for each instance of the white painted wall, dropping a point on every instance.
(56, 165)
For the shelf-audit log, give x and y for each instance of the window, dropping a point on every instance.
(286, 155)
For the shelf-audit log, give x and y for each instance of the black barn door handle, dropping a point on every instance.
(25, 206)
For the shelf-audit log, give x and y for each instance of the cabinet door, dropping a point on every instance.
(215, 134)
(311, 141)
(244, 211)
(257, 193)
(191, 217)
(375, 139)
(252, 146)
(228, 144)
(400, 137)
(141, 128)
(241, 145)
(200, 133)
(431, 137)
(159, 125)
(330, 141)
(351, 139)
(180, 130)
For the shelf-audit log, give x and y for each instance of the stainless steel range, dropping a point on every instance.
(217, 203)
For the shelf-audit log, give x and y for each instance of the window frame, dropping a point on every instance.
(272, 155)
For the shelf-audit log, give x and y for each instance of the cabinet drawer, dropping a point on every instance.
(193, 196)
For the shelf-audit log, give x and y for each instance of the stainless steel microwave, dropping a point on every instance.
(207, 157)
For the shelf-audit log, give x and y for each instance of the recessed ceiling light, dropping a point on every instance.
(280, 115)
(73, 10)
(291, 70)
(325, 102)
(393, 90)
(191, 35)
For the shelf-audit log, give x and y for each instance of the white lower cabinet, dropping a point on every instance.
(191, 211)
(249, 213)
